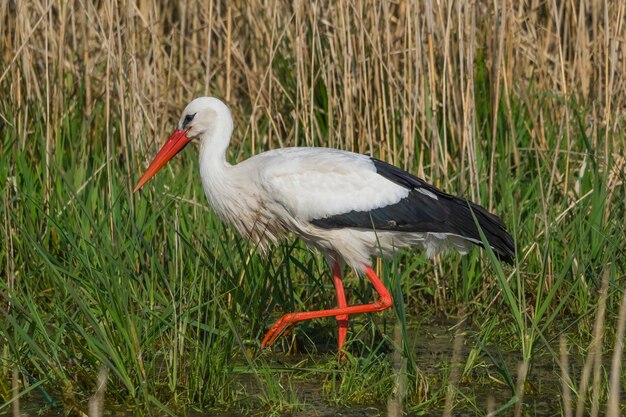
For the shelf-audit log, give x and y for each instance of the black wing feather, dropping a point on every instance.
(420, 212)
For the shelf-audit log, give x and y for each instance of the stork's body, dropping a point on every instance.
(349, 206)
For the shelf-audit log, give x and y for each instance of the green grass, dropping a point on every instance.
(173, 303)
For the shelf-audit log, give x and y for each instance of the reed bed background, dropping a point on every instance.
(519, 106)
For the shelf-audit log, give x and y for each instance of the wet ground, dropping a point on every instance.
(484, 389)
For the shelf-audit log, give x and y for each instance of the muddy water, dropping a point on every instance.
(484, 389)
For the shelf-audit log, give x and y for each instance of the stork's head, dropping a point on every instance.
(202, 118)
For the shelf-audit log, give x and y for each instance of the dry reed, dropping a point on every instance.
(399, 77)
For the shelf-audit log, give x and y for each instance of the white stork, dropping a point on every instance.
(349, 206)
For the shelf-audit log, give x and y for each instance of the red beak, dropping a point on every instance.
(174, 144)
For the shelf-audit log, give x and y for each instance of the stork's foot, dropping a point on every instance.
(285, 322)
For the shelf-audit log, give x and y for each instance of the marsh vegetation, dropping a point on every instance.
(519, 106)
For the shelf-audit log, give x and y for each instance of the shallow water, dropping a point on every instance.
(434, 345)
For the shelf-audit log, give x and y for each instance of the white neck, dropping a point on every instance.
(214, 143)
(214, 168)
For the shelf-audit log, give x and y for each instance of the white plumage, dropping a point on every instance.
(287, 188)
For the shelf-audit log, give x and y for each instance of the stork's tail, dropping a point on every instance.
(492, 227)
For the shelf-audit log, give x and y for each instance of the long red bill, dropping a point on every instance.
(174, 144)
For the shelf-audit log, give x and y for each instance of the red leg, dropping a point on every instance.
(342, 319)
(285, 321)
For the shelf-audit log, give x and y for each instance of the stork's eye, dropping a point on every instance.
(188, 119)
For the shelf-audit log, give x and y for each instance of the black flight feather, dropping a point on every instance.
(421, 212)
